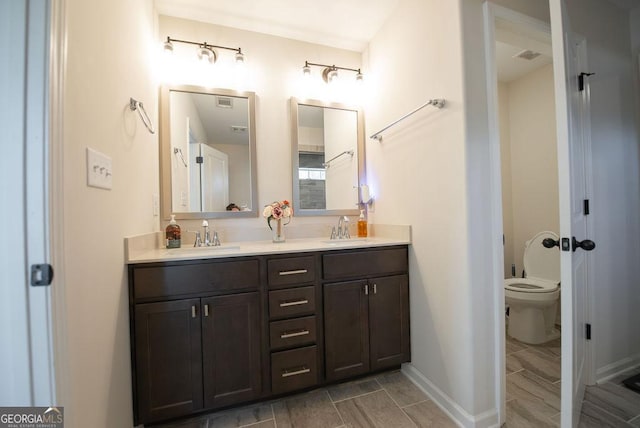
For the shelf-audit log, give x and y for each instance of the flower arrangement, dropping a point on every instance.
(277, 211)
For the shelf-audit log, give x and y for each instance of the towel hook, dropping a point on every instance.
(137, 105)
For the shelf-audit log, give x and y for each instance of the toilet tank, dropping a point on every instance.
(541, 262)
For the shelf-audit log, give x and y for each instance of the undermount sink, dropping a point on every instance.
(199, 250)
(346, 241)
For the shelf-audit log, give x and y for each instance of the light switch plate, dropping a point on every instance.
(99, 171)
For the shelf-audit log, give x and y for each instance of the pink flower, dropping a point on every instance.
(277, 212)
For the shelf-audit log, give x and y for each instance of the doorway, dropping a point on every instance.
(529, 170)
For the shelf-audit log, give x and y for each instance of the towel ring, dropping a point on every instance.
(137, 105)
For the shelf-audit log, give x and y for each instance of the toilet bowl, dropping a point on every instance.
(533, 300)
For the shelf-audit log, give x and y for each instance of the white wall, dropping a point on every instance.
(616, 183)
(418, 176)
(531, 177)
(106, 65)
(505, 164)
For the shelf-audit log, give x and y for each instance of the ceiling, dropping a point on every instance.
(338, 23)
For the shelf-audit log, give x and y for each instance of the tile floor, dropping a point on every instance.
(391, 400)
(533, 384)
(382, 401)
(533, 392)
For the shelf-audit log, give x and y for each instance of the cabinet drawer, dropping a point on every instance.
(290, 333)
(161, 281)
(289, 271)
(292, 302)
(359, 264)
(294, 369)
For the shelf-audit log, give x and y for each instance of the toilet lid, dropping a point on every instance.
(541, 262)
(528, 285)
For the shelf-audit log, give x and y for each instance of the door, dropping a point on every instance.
(26, 360)
(214, 179)
(346, 329)
(572, 129)
(168, 359)
(231, 349)
(389, 321)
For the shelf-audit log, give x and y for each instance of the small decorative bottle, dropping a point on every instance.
(362, 225)
(173, 233)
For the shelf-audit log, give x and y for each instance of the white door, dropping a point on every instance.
(214, 179)
(26, 359)
(573, 152)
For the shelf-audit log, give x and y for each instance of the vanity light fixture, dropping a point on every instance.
(206, 51)
(330, 72)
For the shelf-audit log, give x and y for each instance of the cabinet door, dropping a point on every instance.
(346, 329)
(231, 349)
(168, 359)
(389, 321)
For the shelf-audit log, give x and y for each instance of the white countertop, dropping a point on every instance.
(147, 248)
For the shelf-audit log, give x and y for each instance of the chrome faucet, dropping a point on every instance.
(208, 241)
(343, 228)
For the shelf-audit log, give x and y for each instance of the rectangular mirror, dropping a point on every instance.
(207, 153)
(327, 157)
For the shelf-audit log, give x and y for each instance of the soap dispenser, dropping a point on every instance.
(173, 233)
(362, 225)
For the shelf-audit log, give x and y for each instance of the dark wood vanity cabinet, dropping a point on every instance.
(209, 334)
(195, 353)
(366, 321)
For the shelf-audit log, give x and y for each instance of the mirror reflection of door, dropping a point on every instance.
(211, 156)
(214, 179)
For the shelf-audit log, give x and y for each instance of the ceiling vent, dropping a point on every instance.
(224, 102)
(238, 128)
(527, 54)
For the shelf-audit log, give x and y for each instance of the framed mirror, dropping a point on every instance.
(327, 156)
(207, 153)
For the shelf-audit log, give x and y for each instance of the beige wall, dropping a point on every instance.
(505, 163)
(418, 177)
(529, 162)
(106, 65)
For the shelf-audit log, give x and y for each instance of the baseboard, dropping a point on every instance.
(451, 408)
(603, 374)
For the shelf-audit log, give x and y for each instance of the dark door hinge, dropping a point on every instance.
(587, 328)
(199, 159)
(41, 274)
(586, 207)
(581, 77)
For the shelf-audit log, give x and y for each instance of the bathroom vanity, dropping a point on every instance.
(215, 329)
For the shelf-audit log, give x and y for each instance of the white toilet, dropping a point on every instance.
(533, 300)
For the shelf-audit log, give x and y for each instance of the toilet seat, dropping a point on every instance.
(530, 285)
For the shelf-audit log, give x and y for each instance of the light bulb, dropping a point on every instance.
(239, 57)
(306, 70)
(167, 47)
(206, 55)
(332, 76)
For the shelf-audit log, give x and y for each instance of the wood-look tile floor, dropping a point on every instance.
(533, 384)
(381, 401)
(533, 392)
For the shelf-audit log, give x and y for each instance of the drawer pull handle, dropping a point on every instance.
(206, 310)
(193, 311)
(300, 371)
(294, 303)
(292, 272)
(287, 335)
